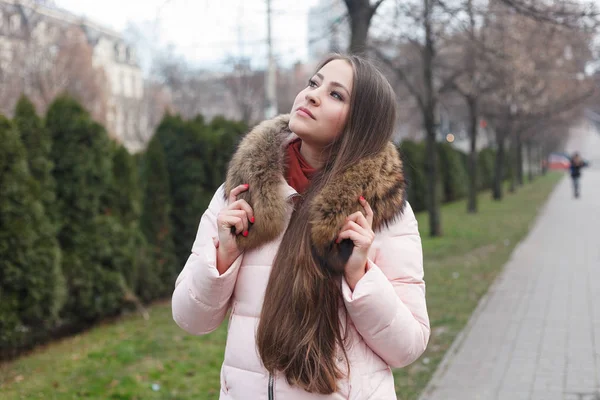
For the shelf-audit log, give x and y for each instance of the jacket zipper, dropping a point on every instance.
(271, 397)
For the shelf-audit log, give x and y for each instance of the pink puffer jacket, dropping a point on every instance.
(388, 327)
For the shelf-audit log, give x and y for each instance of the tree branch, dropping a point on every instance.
(563, 17)
(402, 76)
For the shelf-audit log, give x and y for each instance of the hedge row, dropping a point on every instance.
(87, 230)
(453, 167)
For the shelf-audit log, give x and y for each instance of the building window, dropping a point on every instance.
(134, 88)
(5, 51)
(40, 30)
(121, 53)
(122, 82)
(15, 23)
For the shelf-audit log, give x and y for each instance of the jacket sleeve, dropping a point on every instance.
(202, 296)
(388, 306)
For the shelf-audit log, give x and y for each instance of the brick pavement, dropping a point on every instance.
(536, 334)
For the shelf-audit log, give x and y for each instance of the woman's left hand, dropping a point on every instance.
(358, 228)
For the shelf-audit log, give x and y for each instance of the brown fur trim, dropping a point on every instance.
(260, 162)
(380, 180)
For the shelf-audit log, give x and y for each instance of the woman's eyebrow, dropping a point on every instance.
(333, 83)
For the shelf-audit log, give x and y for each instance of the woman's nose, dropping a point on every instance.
(313, 98)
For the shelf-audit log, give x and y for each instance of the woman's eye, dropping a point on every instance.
(312, 83)
(337, 96)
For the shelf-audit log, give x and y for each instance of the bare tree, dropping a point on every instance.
(361, 13)
(469, 63)
(72, 71)
(247, 88)
(46, 60)
(537, 85)
(10, 82)
(412, 57)
(569, 13)
(194, 91)
(491, 56)
(149, 112)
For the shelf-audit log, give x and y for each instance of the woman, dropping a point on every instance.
(313, 246)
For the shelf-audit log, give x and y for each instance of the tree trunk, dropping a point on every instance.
(433, 206)
(542, 160)
(433, 202)
(511, 161)
(530, 162)
(471, 65)
(359, 29)
(472, 199)
(360, 12)
(537, 154)
(519, 159)
(499, 164)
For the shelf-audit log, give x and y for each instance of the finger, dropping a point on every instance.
(358, 239)
(368, 210)
(243, 205)
(228, 222)
(360, 219)
(237, 190)
(353, 226)
(241, 214)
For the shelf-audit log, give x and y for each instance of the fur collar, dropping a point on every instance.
(260, 162)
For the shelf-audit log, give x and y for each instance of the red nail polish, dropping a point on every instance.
(362, 198)
(252, 219)
(247, 185)
(245, 233)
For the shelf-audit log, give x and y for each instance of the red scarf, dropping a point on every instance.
(299, 172)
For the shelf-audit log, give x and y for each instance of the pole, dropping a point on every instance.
(271, 106)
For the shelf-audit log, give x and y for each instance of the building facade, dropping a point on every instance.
(34, 32)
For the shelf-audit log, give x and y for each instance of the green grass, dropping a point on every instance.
(121, 361)
(124, 360)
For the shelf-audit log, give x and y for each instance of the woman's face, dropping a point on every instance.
(320, 111)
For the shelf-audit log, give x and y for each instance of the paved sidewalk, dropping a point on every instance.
(536, 335)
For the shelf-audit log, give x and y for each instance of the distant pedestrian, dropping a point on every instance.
(576, 164)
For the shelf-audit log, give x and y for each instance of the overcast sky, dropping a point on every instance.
(207, 31)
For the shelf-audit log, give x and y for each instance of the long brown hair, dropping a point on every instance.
(300, 326)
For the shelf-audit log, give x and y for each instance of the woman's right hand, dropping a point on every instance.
(233, 220)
